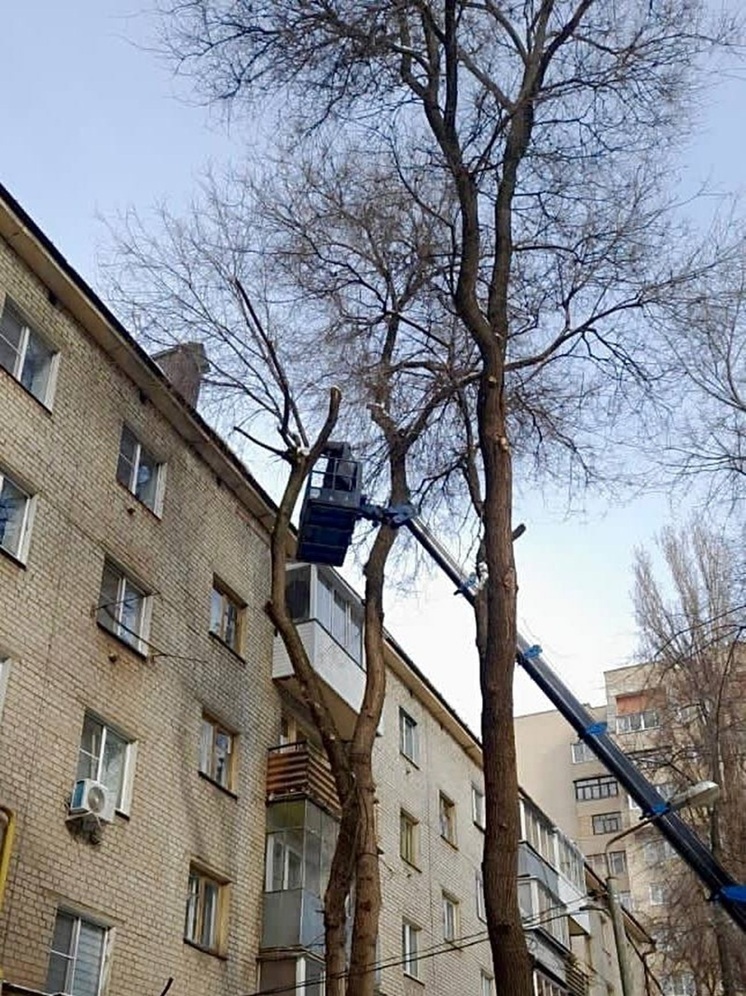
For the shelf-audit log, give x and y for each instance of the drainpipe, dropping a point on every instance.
(7, 830)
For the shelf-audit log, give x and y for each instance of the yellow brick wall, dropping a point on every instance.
(62, 663)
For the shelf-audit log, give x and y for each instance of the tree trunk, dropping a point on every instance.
(496, 641)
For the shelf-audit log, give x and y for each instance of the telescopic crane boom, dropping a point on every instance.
(334, 502)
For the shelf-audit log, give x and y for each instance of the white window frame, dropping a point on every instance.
(408, 832)
(450, 906)
(411, 949)
(606, 816)
(28, 332)
(131, 483)
(194, 921)
(447, 818)
(222, 601)
(657, 894)
(581, 752)
(409, 741)
(287, 850)
(72, 955)
(109, 615)
(210, 748)
(20, 551)
(637, 722)
(477, 806)
(679, 984)
(124, 789)
(481, 903)
(617, 862)
(486, 983)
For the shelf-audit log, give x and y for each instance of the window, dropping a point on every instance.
(625, 898)
(544, 986)
(477, 806)
(408, 737)
(300, 846)
(450, 917)
(15, 516)
(657, 894)
(408, 838)
(76, 959)
(538, 831)
(123, 607)
(106, 756)
(486, 984)
(657, 851)
(607, 823)
(617, 862)
(581, 752)
(284, 867)
(138, 470)
(410, 949)
(25, 355)
(570, 860)
(226, 616)
(481, 906)
(447, 818)
(679, 984)
(633, 722)
(340, 615)
(600, 787)
(202, 925)
(216, 752)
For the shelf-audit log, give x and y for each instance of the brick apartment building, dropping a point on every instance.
(171, 817)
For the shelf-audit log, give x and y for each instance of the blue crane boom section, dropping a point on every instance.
(321, 539)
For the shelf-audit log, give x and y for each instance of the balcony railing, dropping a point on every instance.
(301, 770)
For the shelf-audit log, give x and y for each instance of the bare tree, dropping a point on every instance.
(692, 624)
(546, 122)
(188, 279)
(706, 436)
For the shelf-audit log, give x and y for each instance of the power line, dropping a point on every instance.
(434, 951)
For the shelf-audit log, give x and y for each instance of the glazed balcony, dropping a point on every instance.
(329, 617)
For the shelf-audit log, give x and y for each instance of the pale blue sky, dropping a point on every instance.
(92, 122)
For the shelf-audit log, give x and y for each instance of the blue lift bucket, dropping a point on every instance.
(331, 507)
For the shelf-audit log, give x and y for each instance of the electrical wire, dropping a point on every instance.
(434, 951)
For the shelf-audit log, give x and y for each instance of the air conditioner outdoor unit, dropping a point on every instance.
(91, 798)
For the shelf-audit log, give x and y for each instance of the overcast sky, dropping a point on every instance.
(93, 121)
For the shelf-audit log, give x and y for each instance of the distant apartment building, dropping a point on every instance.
(173, 816)
(574, 787)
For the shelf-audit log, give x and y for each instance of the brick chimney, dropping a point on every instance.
(185, 365)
